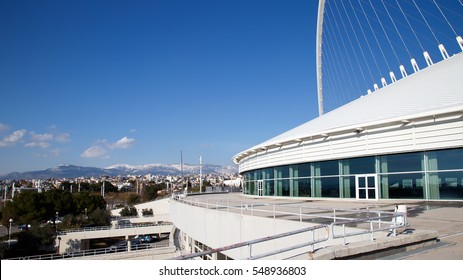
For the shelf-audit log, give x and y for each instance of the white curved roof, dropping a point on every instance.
(437, 89)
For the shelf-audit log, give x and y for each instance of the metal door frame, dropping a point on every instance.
(367, 187)
(260, 187)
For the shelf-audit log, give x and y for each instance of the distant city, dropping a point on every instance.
(74, 171)
(124, 177)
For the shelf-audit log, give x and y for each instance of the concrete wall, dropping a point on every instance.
(78, 239)
(220, 228)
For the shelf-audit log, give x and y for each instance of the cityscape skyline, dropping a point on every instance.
(102, 83)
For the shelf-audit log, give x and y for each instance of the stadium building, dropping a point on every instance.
(402, 141)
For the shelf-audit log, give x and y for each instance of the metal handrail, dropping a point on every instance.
(391, 226)
(335, 216)
(94, 252)
(264, 239)
(385, 220)
(64, 232)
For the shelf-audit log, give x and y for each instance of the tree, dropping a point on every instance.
(150, 192)
(8, 212)
(25, 208)
(128, 211)
(58, 201)
(133, 199)
(147, 212)
(85, 203)
(38, 240)
(100, 217)
(109, 187)
(34, 208)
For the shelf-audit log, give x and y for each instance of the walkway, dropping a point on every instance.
(444, 217)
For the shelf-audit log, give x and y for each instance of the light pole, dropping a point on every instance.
(59, 242)
(55, 222)
(9, 233)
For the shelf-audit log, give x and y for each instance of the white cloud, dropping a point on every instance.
(122, 143)
(13, 138)
(3, 127)
(95, 151)
(41, 137)
(101, 148)
(43, 140)
(53, 153)
(37, 144)
(63, 137)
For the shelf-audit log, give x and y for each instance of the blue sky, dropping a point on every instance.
(97, 83)
(103, 82)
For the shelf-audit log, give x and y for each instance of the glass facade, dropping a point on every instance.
(429, 175)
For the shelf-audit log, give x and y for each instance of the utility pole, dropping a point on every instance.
(200, 174)
(181, 171)
(102, 189)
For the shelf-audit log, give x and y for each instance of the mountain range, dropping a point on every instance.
(73, 171)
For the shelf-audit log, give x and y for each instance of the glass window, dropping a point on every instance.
(402, 185)
(348, 186)
(329, 168)
(258, 174)
(300, 170)
(365, 165)
(267, 173)
(446, 159)
(401, 162)
(329, 187)
(282, 171)
(286, 188)
(249, 187)
(282, 187)
(301, 187)
(446, 185)
(269, 188)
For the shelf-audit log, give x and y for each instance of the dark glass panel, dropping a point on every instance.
(282, 171)
(371, 194)
(362, 194)
(303, 188)
(404, 185)
(300, 170)
(449, 159)
(363, 165)
(330, 186)
(269, 188)
(402, 162)
(285, 188)
(329, 168)
(450, 184)
(268, 173)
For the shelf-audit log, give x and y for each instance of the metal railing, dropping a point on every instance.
(361, 222)
(397, 220)
(96, 252)
(64, 232)
(301, 213)
(250, 244)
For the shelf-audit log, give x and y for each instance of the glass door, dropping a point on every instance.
(366, 186)
(260, 187)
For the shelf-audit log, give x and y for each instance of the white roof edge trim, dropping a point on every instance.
(439, 113)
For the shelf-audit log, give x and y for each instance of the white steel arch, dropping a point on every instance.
(321, 10)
